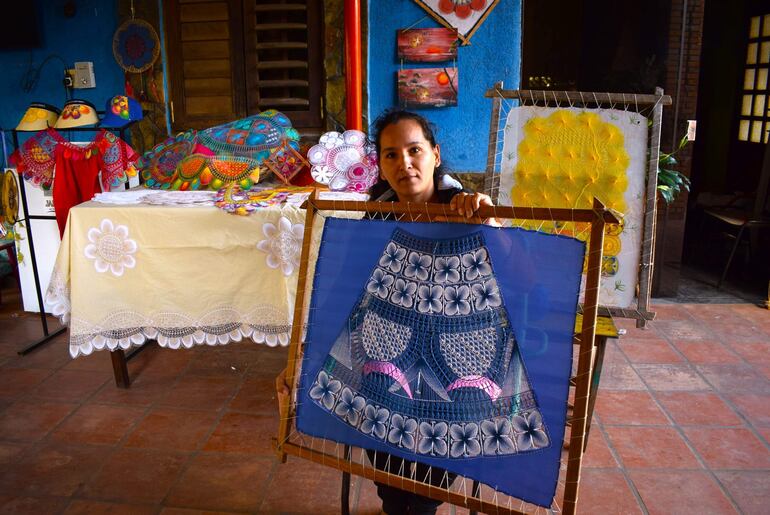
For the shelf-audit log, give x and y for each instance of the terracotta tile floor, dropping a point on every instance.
(682, 425)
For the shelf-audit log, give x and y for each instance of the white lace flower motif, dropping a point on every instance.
(430, 299)
(283, 245)
(457, 300)
(379, 284)
(464, 439)
(433, 438)
(393, 257)
(403, 293)
(476, 264)
(447, 269)
(530, 431)
(110, 248)
(331, 139)
(375, 421)
(486, 295)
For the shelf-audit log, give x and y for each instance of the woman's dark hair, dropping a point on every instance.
(392, 117)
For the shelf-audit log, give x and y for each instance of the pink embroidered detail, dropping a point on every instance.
(391, 370)
(480, 382)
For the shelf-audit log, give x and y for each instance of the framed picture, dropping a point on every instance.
(427, 45)
(427, 87)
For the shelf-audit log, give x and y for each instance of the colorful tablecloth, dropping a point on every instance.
(183, 276)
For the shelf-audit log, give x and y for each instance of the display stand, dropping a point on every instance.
(47, 334)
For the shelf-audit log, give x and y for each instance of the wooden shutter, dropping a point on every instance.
(205, 62)
(232, 58)
(283, 58)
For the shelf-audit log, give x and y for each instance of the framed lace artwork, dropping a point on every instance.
(448, 345)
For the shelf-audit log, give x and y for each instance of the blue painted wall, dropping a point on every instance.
(87, 36)
(493, 55)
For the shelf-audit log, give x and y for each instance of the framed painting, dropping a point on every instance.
(427, 45)
(427, 87)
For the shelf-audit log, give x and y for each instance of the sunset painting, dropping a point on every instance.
(427, 87)
(427, 45)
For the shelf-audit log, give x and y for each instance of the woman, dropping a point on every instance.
(411, 171)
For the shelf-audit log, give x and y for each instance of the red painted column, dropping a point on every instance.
(353, 108)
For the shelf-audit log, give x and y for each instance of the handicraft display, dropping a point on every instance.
(344, 162)
(234, 199)
(159, 164)
(253, 137)
(563, 158)
(427, 45)
(427, 87)
(464, 15)
(424, 341)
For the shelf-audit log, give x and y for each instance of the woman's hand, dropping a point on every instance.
(465, 205)
(282, 392)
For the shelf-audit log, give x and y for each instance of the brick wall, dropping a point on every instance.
(682, 85)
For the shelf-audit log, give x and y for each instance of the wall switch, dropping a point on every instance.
(84, 75)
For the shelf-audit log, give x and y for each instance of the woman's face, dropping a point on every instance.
(408, 160)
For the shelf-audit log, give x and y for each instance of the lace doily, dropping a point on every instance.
(344, 162)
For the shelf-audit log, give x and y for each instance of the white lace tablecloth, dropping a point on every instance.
(180, 275)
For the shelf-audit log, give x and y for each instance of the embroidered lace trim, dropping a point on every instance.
(127, 328)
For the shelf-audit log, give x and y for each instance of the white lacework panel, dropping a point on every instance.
(383, 340)
(469, 353)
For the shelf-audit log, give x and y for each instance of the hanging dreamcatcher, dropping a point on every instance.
(136, 47)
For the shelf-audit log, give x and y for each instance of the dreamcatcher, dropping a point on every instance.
(136, 48)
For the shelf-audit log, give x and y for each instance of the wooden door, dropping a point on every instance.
(752, 118)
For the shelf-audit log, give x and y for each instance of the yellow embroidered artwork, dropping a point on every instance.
(563, 158)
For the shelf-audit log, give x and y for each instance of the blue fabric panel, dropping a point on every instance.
(538, 276)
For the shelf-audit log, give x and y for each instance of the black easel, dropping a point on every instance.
(47, 335)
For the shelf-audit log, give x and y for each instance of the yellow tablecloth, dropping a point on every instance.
(180, 275)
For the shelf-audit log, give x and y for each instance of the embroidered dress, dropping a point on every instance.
(427, 361)
(78, 167)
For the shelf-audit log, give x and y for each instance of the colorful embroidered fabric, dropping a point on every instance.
(423, 356)
(199, 172)
(285, 161)
(159, 164)
(234, 199)
(253, 137)
(34, 159)
(345, 162)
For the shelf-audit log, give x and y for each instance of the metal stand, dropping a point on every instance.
(47, 335)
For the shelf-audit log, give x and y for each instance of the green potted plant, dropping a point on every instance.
(671, 182)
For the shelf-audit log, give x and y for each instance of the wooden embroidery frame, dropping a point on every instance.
(342, 457)
(641, 312)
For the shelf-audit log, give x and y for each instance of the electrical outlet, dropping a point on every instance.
(84, 75)
(69, 77)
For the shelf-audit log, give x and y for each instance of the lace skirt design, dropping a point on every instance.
(427, 361)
